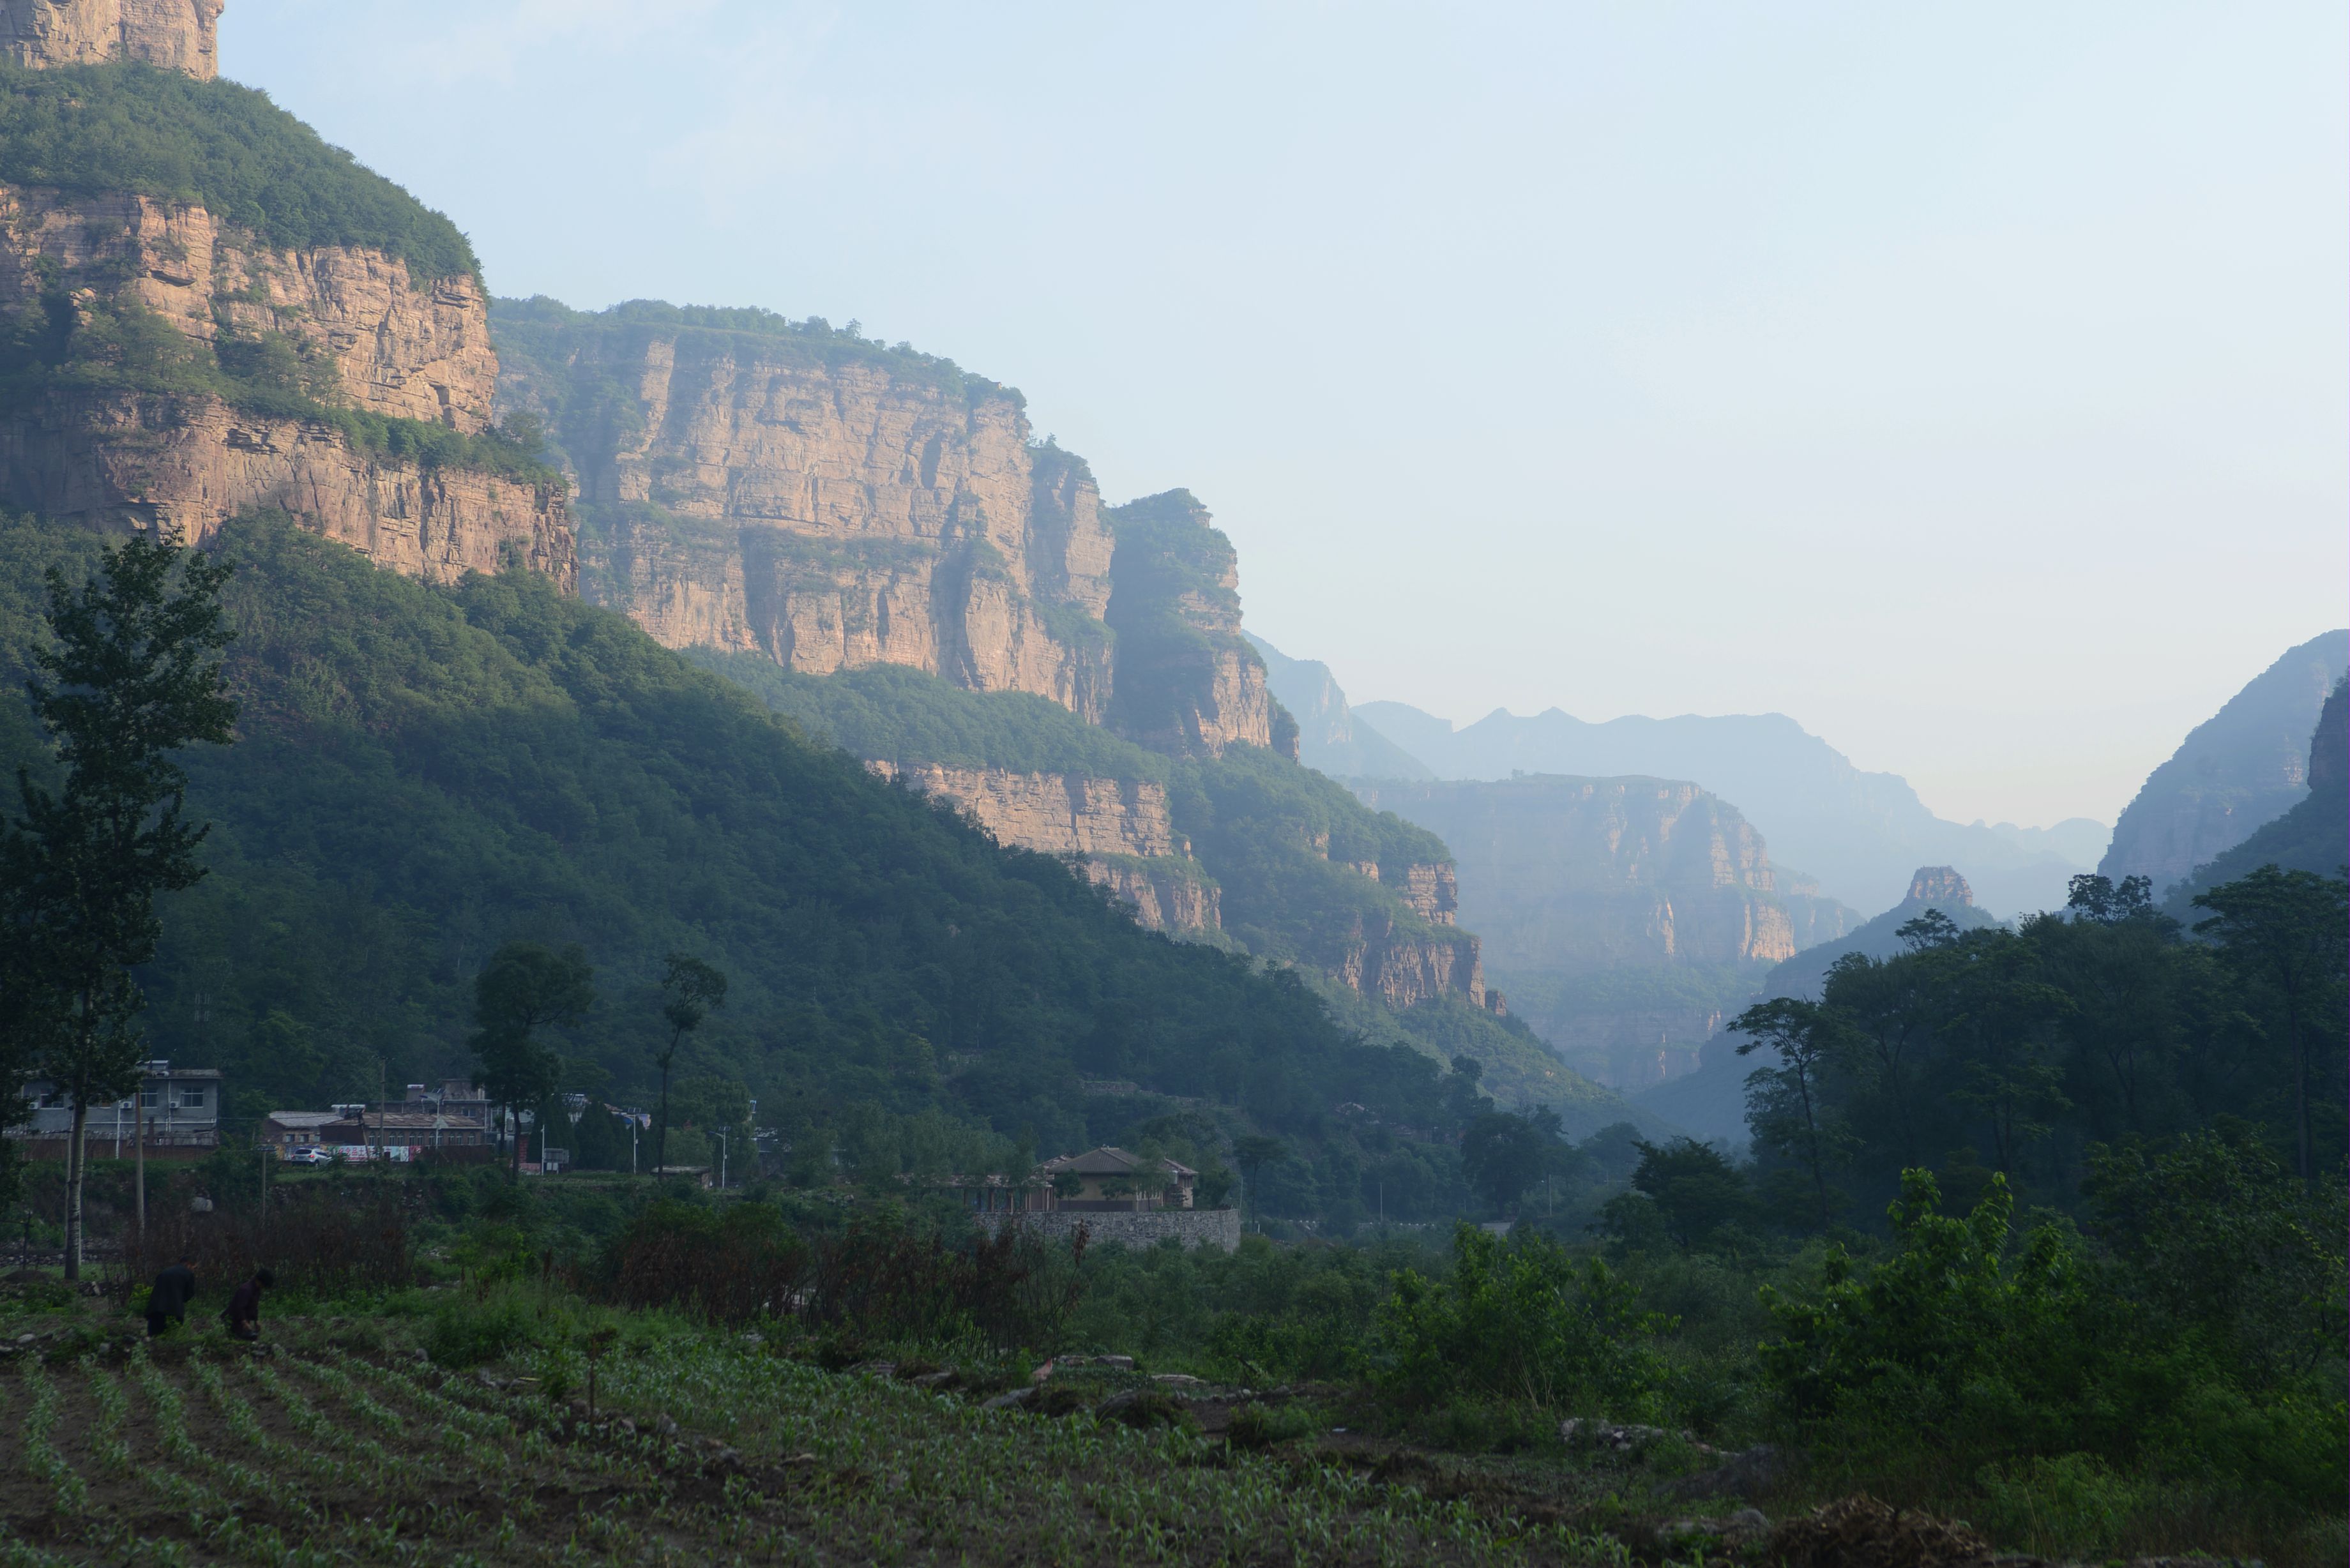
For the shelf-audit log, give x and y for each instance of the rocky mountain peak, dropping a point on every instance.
(169, 35)
(1940, 885)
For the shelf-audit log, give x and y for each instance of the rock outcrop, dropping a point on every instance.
(171, 34)
(370, 336)
(821, 500)
(1189, 684)
(187, 464)
(1619, 913)
(1599, 873)
(1931, 888)
(1119, 828)
(1385, 959)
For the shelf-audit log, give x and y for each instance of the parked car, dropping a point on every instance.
(307, 1154)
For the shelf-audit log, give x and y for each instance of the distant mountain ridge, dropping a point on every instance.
(1860, 834)
(2246, 766)
(1331, 736)
(1933, 887)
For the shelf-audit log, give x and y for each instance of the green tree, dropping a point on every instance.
(1785, 1104)
(2284, 932)
(524, 989)
(690, 989)
(1698, 1196)
(131, 675)
(1504, 1155)
(1252, 1152)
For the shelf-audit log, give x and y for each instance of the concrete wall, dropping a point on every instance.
(1192, 1227)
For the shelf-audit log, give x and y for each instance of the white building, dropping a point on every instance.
(179, 1106)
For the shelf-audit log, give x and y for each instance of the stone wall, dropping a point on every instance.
(1192, 1227)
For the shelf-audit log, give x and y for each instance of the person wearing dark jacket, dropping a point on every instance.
(167, 1302)
(243, 1314)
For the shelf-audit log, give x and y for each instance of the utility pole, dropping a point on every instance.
(722, 1159)
(138, 1153)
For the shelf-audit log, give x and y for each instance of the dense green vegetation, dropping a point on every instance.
(1279, 841)
(892, 712)
(2017, 1053)
(129, 127)
(423, 775)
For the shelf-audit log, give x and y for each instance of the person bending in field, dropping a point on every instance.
(243, 1314)
(167, 1302)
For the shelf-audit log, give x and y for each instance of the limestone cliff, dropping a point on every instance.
(1603, 873)
(139, 424)
(1189, 684)
(1626, 916)
(1119, 828)
(171, 34)
(747, 482)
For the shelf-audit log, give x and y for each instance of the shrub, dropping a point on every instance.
(466, 1330)
(1522, 1321)
(1965, 1350)
(2071, 1505)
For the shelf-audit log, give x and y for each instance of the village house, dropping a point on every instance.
(1100, 1180)
(178, 1108)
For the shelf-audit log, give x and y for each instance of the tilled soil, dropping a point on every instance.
(271, 1462)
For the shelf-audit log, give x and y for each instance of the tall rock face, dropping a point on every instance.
(1624, 917)
(751, 484)
(1189, 684)
(1596, 874)
(171, 34)
(168, 290)
(2244, 766)
(1118, 829)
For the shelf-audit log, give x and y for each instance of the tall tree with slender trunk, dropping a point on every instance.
(1784, 1105)
(690, 989)
(133, 675)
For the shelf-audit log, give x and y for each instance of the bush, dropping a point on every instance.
(2071, 1505)
(1523, 1323)
(467, 1330)
(1964, 1350)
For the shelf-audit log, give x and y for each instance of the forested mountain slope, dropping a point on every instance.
(425, 774)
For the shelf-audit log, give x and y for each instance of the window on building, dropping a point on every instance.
(55, 1100)
(151, 1098)
(192, 1096)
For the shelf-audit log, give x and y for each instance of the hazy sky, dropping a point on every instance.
(1967, 381)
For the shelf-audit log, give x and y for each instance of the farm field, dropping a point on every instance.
(705, 1449)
